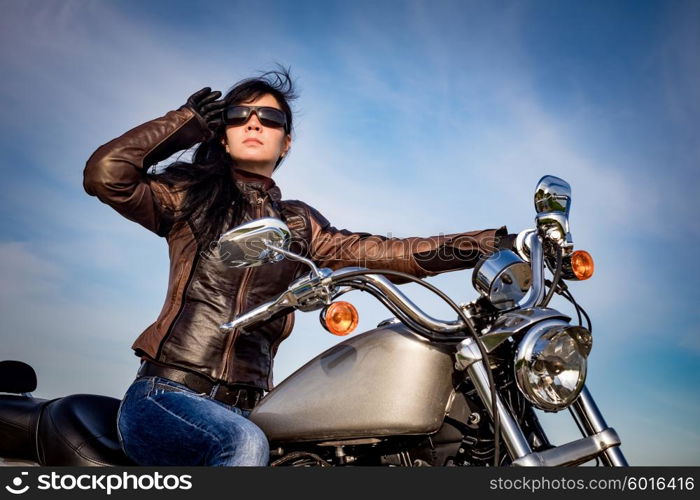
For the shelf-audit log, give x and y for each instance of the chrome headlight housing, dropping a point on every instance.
(550, 364)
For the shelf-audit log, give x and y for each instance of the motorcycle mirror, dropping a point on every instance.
(247, 245)
(552, 195)
(553, 202)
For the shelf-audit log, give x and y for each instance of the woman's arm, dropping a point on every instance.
(421, 257)
(116, 172)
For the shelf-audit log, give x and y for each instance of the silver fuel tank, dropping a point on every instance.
(383, 382)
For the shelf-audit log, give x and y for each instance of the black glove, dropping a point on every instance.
(504, 240)
(204, 103)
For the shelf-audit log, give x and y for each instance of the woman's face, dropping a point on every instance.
(253, 146)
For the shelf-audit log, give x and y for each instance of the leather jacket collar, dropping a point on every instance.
(255, 185)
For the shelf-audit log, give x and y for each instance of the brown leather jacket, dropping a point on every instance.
(204, 293)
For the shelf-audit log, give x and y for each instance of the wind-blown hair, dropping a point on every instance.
(210, 190)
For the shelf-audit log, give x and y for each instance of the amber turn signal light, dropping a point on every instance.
(582, 264)
(339, 318)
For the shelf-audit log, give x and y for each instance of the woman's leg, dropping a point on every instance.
(161, 422)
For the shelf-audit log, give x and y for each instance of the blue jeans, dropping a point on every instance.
(161, 422)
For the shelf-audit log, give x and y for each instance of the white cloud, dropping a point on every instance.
(63, 338)
(25, 274)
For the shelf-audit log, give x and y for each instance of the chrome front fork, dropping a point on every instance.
(594, 423)
(601, 441)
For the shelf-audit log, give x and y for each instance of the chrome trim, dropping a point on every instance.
(520, 246)
(257, 314)
(554, 226)
(394, 295)
(309, 292)
(536, 292)
(388, 322)
(514, 322)
(553, 204)
(469, 358)
(247, 245)
(504, 278)
(306, 294)
(593, 422)
(392, 307)
(299, 258)
(573, 453)
(350, 442)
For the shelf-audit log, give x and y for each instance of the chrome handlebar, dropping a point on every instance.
(257, 314)
(394, 296)
(317, 289)
(312, 292)
(306, 293)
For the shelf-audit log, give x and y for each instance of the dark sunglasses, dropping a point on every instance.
(270, 117)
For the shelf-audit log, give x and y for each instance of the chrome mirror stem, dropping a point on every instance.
(293, 256)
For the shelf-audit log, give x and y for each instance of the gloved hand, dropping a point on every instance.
(504, 240)
(204, 103)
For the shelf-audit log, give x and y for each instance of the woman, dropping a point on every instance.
(195, 388)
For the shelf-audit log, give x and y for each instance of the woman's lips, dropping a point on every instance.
(252, 141)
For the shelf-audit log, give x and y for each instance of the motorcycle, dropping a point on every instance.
(414, 391)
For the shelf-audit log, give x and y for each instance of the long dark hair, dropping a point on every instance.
(212, 201)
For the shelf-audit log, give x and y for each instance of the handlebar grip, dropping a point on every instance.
(255, 315)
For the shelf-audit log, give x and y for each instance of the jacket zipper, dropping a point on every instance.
(240, 296)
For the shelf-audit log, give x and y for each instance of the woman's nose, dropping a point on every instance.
(253, 122)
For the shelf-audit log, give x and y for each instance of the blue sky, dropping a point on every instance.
(415, 118)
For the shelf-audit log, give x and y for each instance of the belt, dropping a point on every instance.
(240, 396)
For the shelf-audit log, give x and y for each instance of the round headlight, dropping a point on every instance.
(550, 364)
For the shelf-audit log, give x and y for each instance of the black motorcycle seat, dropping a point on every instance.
(81, 429)
(19, 416)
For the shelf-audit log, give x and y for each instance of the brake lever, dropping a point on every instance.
(307, 293)
(313, 291)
